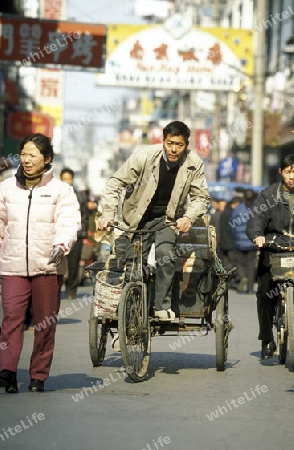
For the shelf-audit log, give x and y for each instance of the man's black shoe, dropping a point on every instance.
(9, 381)
(268, 349)
(36, 385)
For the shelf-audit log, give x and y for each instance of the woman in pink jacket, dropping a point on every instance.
(39, 221)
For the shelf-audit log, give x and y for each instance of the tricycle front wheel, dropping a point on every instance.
(97, 338)
(134, 330)
(222, 328)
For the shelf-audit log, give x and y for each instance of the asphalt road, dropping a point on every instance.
(185, 403)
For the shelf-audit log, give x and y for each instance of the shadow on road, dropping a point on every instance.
(68, 321)
(76, 381)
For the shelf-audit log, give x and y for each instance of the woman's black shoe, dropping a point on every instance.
(9, 381)
(36, 385)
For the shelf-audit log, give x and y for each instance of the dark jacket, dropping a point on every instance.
(82, 199)
(239, 219)
(270, 216)
(226, 240)
(215, 222)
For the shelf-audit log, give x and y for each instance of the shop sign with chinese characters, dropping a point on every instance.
(155, 56)
(50, 82)
(43, 42)
(23, 123)
(49, 93)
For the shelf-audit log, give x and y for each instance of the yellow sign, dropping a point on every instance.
(56, 112)
(50, 92)
(154, 56)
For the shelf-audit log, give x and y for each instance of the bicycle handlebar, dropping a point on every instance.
(275, 246)
(141, 231)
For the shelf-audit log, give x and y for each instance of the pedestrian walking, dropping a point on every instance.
(39, 221)
(226, 244)
(74, 276)
(245, 250)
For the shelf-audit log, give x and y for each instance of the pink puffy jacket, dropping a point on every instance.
(32, 221)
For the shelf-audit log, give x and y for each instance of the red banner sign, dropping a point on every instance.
(53, 9)
(156, 135)
(22, 123)
(36, 41)
(202, 142)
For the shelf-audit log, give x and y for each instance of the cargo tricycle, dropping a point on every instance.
(125, 311)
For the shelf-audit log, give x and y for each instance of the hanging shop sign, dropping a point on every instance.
(35, 42)
(202, 141)
(49, 93)
(154, 56)
(23, 123)
(50, 82)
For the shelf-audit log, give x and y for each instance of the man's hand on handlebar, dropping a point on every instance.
(102, 224)
(259, 241)
(184, 224)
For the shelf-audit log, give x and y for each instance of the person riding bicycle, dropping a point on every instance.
(157, 179)
(271, 220)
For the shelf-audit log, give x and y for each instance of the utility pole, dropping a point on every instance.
(217, 109)
(258, 116)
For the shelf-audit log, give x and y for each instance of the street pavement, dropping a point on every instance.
(185, 403)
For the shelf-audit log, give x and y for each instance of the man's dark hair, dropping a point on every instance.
(287, 161)
(177, 128)
(67, 170)
(249, 197)
(42, 142)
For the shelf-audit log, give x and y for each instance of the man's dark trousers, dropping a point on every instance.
(164, 241)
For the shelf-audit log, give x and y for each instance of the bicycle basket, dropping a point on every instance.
(282, 264)
(108, 288)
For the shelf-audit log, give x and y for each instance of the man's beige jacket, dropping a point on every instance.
(138, 177)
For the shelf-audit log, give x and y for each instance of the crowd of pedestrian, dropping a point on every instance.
(234, 248)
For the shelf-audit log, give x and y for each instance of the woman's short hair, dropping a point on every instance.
(42, 142)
